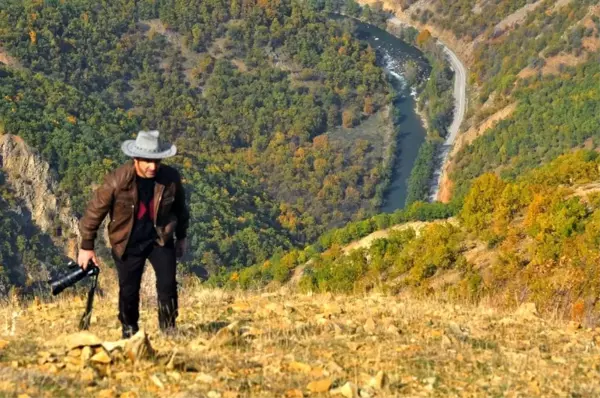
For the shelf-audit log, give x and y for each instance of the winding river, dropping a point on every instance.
(396, 56)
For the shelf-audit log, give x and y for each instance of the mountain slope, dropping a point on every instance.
(284, 344)
(246, 91)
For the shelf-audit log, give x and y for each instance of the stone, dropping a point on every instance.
(107, 393)
(334, 367)
(446, 342)
(299, 367)
(366, 392)
(157, 382)
(294, 393)
(138, 346)
(369, 326)
(348, 390)
(111, 346)
(379, 381)
(87, 376)
(101, 357)
(225, 336)
(354, 346)
(393, 330)
(332, 309)
(86, 354)
(204, 378)
(317, 386)
(123, 375)
(75, 353)
(213, 394)
(82, 339)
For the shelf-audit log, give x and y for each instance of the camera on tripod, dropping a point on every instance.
(75, 274)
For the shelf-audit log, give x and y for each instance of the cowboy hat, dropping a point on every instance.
(147, 145)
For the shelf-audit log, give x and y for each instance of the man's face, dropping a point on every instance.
(146, 168)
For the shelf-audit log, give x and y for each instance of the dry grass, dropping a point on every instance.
(280, 342)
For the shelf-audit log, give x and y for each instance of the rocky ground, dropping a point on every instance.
(283, 344)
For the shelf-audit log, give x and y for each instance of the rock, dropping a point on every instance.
(294, 393)
(366, 392)
(111, 346)
(106, 393)
(446, 342)
(348, 390)
(334, 367)
(527, 311)
(75, 353)
(354, 346)
(204, 378)
(240, 307)
(157, 382)
(82, 339)
(393, 330)
(45, 356)
(138, 346)
(213, 394)
(369, 326)
(379, 381)
(332, 309)
(72, 361)
(454, 329)
(123, 376)
(299, 367)
(87, 376)
(86, 354)
(101, 357)
(317, 386)
(227, 335)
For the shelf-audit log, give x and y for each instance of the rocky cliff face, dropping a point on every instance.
(35, 183)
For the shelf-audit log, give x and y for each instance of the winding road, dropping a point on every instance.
(460, 105)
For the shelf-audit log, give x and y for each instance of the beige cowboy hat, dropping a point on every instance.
(147, 145)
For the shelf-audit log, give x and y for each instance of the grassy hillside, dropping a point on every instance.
(294, 345)
(533, 239)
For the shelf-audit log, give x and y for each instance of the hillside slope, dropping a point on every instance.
(291, 345)
(515, 50)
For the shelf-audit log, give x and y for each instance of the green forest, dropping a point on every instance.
(245, 89)
(539, 231)
(554, 114)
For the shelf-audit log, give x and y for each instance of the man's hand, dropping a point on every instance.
(85, 256)
(180, 246)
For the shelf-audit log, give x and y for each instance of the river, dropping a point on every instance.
(395, 54)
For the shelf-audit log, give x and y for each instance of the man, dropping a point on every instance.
(146, 204)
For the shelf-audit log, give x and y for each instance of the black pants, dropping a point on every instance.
(130, 269)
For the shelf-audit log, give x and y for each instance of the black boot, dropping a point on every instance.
(129, 330)
(167, 313)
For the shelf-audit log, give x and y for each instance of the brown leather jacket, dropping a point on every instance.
(118, 197)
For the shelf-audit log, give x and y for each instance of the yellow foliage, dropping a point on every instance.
(423, 37)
